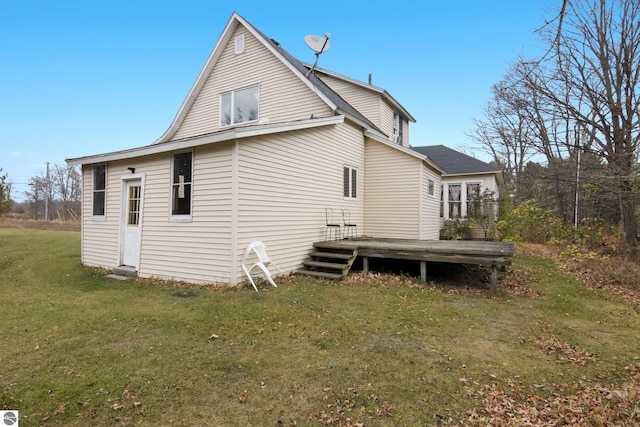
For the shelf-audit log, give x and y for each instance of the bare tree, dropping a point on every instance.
(592, 81)
(66, 185)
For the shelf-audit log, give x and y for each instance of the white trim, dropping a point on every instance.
(351, 183)
(124, 179)
(188, 143)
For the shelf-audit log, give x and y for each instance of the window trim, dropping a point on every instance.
(232, 94)
(94, 191)
(351, 187)
(181, 217)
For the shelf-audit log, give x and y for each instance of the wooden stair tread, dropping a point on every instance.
(336, 255)
(321, 264)
(322, 274)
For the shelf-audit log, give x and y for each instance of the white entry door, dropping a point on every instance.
(131, 224)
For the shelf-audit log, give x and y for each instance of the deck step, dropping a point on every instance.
(321, 274)
(328, 261)
(327, 265)
(336, 255)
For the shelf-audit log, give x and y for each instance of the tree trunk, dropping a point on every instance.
(628, 214)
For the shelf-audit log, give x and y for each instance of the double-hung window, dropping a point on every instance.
(474, 204)
(239, 106)
(99, 190)
(350, 176)
(181, 183)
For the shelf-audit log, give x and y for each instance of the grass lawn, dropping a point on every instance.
(81, 349)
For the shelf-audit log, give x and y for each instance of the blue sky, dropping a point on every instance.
(87, 77)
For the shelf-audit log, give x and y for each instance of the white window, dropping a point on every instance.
(432, 187)
(455, 201)
(350, 176)
(181, 183)
(99, 190)
(397, 129)
(474, 204)
(239, 106)
(239, 44)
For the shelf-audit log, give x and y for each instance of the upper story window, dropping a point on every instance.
(181, 183)
(397, 129)
(350, 182)
(239, 106)
(99, 190)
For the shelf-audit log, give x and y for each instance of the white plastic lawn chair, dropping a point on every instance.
(263, 261)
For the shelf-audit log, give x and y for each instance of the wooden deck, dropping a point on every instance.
(449, 251)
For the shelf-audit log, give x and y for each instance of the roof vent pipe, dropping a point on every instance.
(370, 79)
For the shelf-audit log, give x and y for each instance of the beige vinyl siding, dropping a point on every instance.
(287, 180)
(392, 192)
(283, 97)
(365, 101)
(199, 250)
(430, 205)
(100, 235)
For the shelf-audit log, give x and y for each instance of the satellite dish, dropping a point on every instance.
(318, 44)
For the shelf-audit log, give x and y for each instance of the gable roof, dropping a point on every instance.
(386, 95)
(331, 98)
(455, 162)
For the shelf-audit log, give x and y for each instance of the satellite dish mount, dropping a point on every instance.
(318, 44)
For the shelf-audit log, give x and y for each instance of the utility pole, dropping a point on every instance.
(46, 196)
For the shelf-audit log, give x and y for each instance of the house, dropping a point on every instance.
(464, 178)
(257, 151)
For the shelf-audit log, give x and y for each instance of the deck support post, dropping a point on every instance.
(423, 271)
(365, 264)
(494, 278)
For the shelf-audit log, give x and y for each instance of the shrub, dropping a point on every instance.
(529, 223)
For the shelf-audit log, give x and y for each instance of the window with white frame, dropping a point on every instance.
(181, 183)
(350, 175)
(397, 129)
(474, 204)
(239, 106)
(99, 190)
(455, 201)
(432, 187)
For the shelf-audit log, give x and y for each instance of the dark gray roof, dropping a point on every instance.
(455, 162)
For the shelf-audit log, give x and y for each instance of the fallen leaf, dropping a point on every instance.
(242, 397)
(214, 337)
(136, 404)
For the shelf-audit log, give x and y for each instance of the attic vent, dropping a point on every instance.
(239, 44)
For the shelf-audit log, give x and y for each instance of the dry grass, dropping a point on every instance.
(19, 221)
(377, 349)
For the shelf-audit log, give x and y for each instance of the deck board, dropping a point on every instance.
(449, 251)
